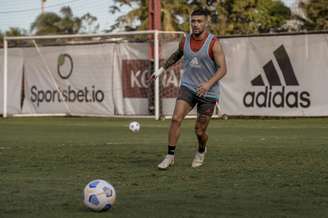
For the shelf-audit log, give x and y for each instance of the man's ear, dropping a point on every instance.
(208, 20)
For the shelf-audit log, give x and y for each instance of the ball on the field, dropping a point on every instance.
(134, 126)
(99, 195)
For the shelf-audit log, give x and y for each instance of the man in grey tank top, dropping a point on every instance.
(204, 65)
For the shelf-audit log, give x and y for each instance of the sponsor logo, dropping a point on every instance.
(68, 94)
(194, 62)
(275, 94)
(65, 66)
(134, 80)
(86, 94)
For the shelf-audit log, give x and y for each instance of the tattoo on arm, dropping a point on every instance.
(175, 57)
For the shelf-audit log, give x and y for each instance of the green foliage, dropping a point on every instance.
(13, 31)
(228, 17)
(252, 16)
(16, 31)
(316, 15)
(68, 23)
(46, 24)
(89, 24)
(174, 15)
(50, 23)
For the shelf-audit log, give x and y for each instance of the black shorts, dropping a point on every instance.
(204, 105)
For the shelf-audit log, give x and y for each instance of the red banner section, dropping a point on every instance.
(134, 79)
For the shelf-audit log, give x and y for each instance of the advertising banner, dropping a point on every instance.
(276, 76)
(72, 80)
(282, 75)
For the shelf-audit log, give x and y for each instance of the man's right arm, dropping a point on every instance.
(175, 57)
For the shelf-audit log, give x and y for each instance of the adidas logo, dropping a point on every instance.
(276, 94)
(194, 62)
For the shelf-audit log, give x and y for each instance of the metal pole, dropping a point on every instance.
(156, 63)
(5, 73)
(154, 24)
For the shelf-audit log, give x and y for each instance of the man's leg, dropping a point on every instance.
(200, 131)
(205, 110)
(182, 108)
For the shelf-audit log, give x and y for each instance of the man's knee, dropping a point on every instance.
(201, 125)
(200, 131)
(177, 120)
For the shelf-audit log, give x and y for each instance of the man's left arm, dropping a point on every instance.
(219, 59)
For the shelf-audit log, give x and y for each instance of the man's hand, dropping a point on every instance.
(155, 74)
(175, 57)
(151, 78)
(203, 89)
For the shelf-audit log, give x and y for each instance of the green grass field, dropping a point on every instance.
(254, 168)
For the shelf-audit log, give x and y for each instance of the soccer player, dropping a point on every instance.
(204, 65)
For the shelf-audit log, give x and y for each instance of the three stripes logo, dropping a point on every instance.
(278, 93)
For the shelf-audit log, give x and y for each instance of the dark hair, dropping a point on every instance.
(200, 12)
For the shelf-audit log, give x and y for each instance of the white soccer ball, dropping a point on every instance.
(134, 126)
(99, 195)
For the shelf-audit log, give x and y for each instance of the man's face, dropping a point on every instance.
(198, 24)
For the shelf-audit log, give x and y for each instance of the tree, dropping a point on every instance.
(228, 17)
(173, 14)
(69, 24)
(316, 15)
(13, 31)
(50, 23)
(1, 38)
(46, 24)
(88, 24)
(16, 31)
(251, 16)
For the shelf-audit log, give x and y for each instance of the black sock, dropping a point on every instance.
(171, 150)
(201, 148)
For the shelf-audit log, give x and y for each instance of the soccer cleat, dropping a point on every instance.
(167, 162)
(198, 159)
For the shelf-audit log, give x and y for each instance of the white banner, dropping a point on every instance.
(69, 79)
(106, 79)
(276, 76)
(170, 81)
(14, 77)
(131, 90)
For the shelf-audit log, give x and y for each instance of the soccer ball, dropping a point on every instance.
(134, 126)
(99, 195)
